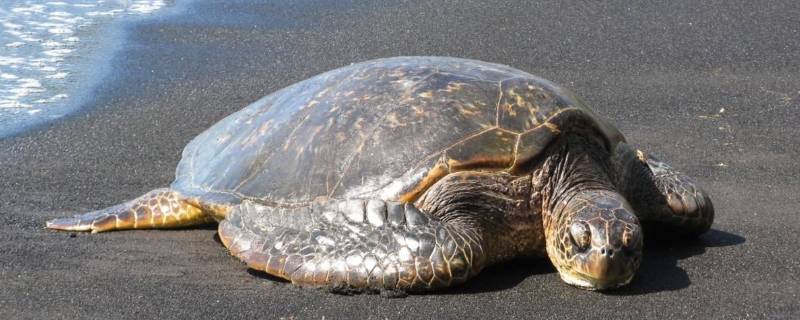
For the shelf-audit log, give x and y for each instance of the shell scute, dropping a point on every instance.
(493, 149)
(526, 103)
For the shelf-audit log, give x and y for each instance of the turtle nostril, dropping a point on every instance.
(607, 252)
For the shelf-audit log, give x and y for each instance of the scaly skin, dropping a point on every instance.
(354, 245)
(661, 194)
(157, 209)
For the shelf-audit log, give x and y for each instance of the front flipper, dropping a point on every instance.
(662, 194)
(355, 245)
(160, 208)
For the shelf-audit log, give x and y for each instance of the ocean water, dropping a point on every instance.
(51, 51)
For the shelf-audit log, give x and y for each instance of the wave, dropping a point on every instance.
(42, 47)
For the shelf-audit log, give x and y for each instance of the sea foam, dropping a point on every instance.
(41, 45)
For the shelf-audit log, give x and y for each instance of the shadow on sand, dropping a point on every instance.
(501, 277)
(660, 271)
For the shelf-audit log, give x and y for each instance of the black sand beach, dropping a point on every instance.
(713, 88)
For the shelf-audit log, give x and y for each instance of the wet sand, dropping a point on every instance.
(711, 88)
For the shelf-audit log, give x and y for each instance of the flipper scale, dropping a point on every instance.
(341, 250)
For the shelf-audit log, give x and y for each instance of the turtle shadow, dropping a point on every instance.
(208, 226)
(500, 277)
(266, 276)
(659, 270)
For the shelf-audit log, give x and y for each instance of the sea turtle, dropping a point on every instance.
(415, 173)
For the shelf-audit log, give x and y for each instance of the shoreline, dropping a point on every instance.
(92, 66)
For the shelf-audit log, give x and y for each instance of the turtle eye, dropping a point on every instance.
(580, 235)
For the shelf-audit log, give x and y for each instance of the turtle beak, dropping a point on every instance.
(599, 269)
(606, 267)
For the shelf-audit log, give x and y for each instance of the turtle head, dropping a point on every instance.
(597, 240)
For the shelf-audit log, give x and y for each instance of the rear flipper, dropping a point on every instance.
(353, 245)
(160, 208)
(661, 194)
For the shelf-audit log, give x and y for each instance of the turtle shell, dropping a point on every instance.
(386, 128)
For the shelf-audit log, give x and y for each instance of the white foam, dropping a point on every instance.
(60, 30)
(60, 75)
(105, 13)
(12, 104)
(60, 14)
(11, 26)
(57, 52)
(53, 98)
(39, 40)
(23, 92)
(36, 8)
(52, 44)
(146, 6)
(29, 83)
(11, 61)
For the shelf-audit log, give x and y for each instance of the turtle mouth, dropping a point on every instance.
(587, 282)
(601, 269)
